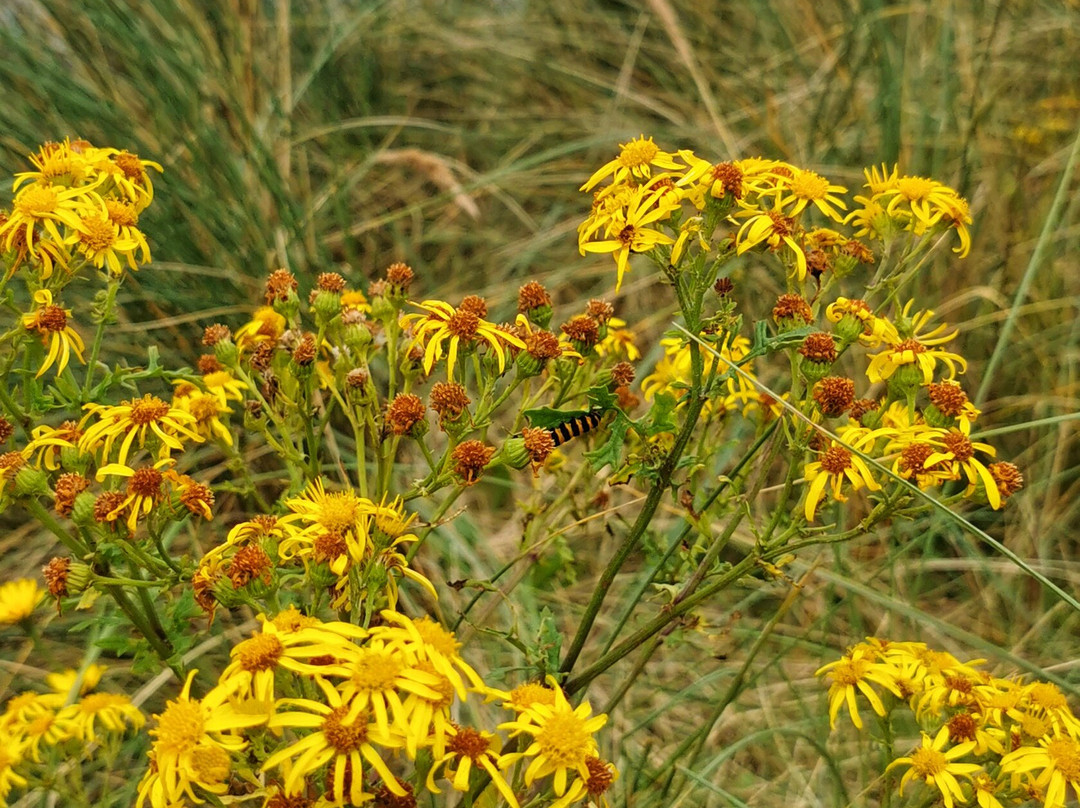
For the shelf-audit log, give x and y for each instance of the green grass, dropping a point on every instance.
(454, 136)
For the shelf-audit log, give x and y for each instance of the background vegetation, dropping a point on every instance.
(345, 135)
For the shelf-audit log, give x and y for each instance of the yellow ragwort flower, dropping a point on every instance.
(460, 328)
(18, 599)
(636, 160)
(131, 422)
(936, 768)
(628, 232)
(50, 321)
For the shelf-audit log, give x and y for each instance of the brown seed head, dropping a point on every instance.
(269, 388)
(600, 777)
(379, 288)
(730, 178)
(305, 351)
(859, 251)
(356, 378)
(279, 800)
(400, 275)
(254, 408)
(279, 285)
(208, 363)
(622, 374)
(404, 412)
(1007, 476)
(105, 506)
(913, 458)
(532, 296)
(792, 307)
(470, 458)
(861, 406)
(819, 347)
(463, 324)
(600, 310)
(834, 395)
(448, 399)
(328, 546)
(468, 742)
(817, 262)
(68, 486)
(959, 444)
(10, 463)
(6, 429)
(263, 356)
(962, 727)
(724, 287)
(213, 334)
(50, 319)
(249, 563)
(385, 798)
(582, 329)
(330, 282)
(476, 304)
(146, 482)
(56, 576)
(835, 460)
(948, 396)
(147, 410)
(543, 345)
(196, 497)
(538, 443)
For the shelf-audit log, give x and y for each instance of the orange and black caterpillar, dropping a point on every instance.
(575, 427)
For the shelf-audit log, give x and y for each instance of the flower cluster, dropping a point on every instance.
(37, 729)
(986, 740)
(335, 713)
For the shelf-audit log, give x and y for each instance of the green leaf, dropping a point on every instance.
(546, 417)
(549, 642)
(610, 452)
(602, 398)
(661, 417)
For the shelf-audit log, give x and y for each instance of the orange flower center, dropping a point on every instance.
(1065, 755)
(148, 409)
(98, 233)
(836, 460)
(345, 738)
(468, 742)
(145, 482)
(260, 653)
(927, 762)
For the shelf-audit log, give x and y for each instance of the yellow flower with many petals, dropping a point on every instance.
(97, 237)
(45, 206)
(337, 742)
(470, 750)
(636, 160)
(18, 599)
(461, 329)
(628, 230)
(50, 321)
(192, 744)
(803, 188)
(132, 422)
(938, 768)
(561, 741)
(836, 465)
(853, 674)
(775, 230)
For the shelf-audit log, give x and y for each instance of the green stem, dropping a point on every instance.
(99, 333)
(652, 501)
(49, 521)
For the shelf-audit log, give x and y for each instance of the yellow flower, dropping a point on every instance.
(1057, 758)
(773, 229)
(56, 163)
(426, 640)
(856, 672)
(207, 409)
(636, 159)
(47, 206)
(833, 466)
(127, 173)
(628, 231)
(340, 743)
(805, 187)
(51, 323)
(192, 746)
(937, 768)
(562, 741)
(145, 489)
(133, 421)
(957, 453)
(266, 325)
(619, 342)
(912, 352)
(461, 328)
(335, 526)
(50, 441)
(63, 683)
(672, 373)
(18, 599)
(96, 236)
(985, 791)
(11, 755)
(469, 749)
(113, 711)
